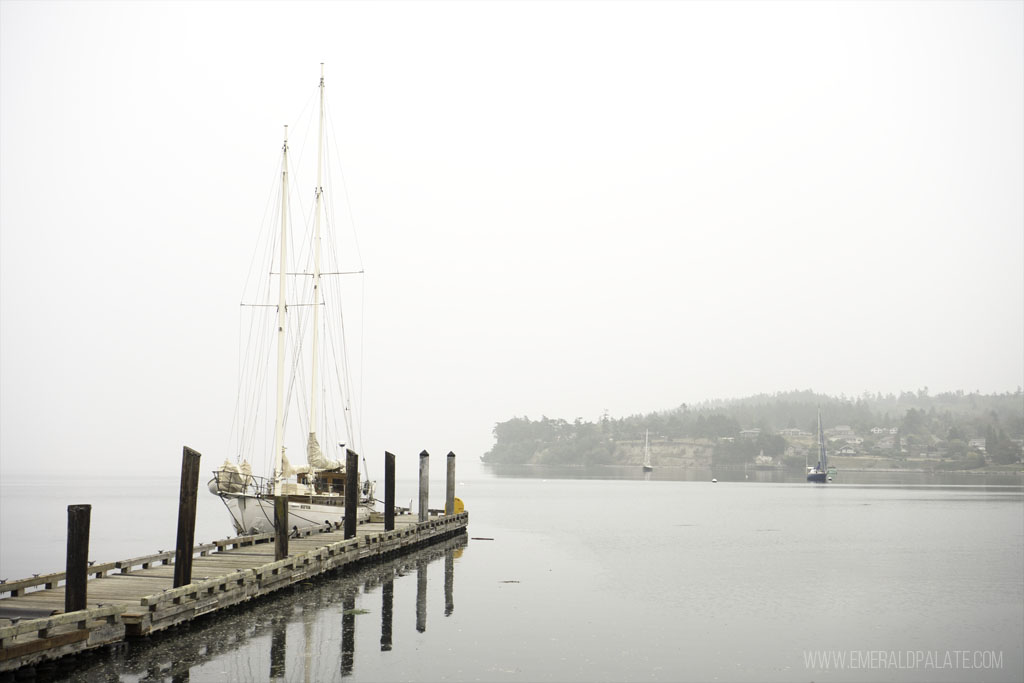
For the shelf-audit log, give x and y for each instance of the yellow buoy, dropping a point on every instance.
(459, 507)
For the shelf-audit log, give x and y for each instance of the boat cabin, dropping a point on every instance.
(325, 481)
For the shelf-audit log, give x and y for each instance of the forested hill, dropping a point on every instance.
(948, 426)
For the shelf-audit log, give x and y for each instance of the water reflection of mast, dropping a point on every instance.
(308, 615)
(386, 610)
(421, 595)
(348, 631)
(278, 647)
(449, 581)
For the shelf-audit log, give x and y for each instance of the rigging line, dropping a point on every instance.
(344, 185)
(264, 366)
(308, 105)
(332, 288)
(295, 343)
(238, 395)
(252, 380)
(292, 249)
(264, 243)
(249, 378)
(352, 414)
(266, 516)
(308, 274)
(346, 378)
(300, 182)
(260, 352)
(303, 116)
(254, 354)
(295, 333)
(275, 305)
(336, 237)
(304, 273)
(261, 324)
(352, 404)
(299, 377)
(362, 355)
(350, 436)
(263, 222)
(256, 372)
(344, 381)
(334, 299)
(238, 522)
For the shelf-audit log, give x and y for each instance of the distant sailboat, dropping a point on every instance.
(647, 453)
(820, 473)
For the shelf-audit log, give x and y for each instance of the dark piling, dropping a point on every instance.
(351, 491)
(77, 567)
(389, 491)
(187, 494)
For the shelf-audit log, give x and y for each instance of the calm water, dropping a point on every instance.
(885, 577)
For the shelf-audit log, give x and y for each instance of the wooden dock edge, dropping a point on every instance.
(33, 641)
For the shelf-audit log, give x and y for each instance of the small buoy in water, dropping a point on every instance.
(714, 481)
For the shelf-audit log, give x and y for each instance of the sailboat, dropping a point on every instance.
(647, 453)
(820, 473)
(299, 302)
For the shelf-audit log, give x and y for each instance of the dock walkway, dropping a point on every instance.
(136, 597)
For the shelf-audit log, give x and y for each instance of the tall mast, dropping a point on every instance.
(316, 264)
(279, 424)
(821, 444)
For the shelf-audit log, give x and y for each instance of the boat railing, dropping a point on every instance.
(233, 481)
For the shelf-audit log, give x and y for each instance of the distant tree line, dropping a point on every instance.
(947, 422)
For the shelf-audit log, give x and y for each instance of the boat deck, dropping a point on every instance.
(136, 597)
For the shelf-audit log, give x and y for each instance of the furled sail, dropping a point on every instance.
(286, 467)
(316, 457)
(231, 478)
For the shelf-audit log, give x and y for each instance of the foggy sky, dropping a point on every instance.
(563, 208)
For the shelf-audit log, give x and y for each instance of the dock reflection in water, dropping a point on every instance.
(293, 632)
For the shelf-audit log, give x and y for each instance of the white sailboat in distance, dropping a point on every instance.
(647, 452)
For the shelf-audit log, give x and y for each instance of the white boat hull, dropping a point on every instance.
(255, 515)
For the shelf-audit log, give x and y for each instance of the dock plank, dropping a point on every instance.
(137, 597)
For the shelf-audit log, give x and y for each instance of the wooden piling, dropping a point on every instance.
(351, 491)
(186, 516)
(280, 527)
(77, 567)
(449, 491)
(389, 491)
(424, 514)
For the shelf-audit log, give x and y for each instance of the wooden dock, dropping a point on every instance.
(135, 597)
